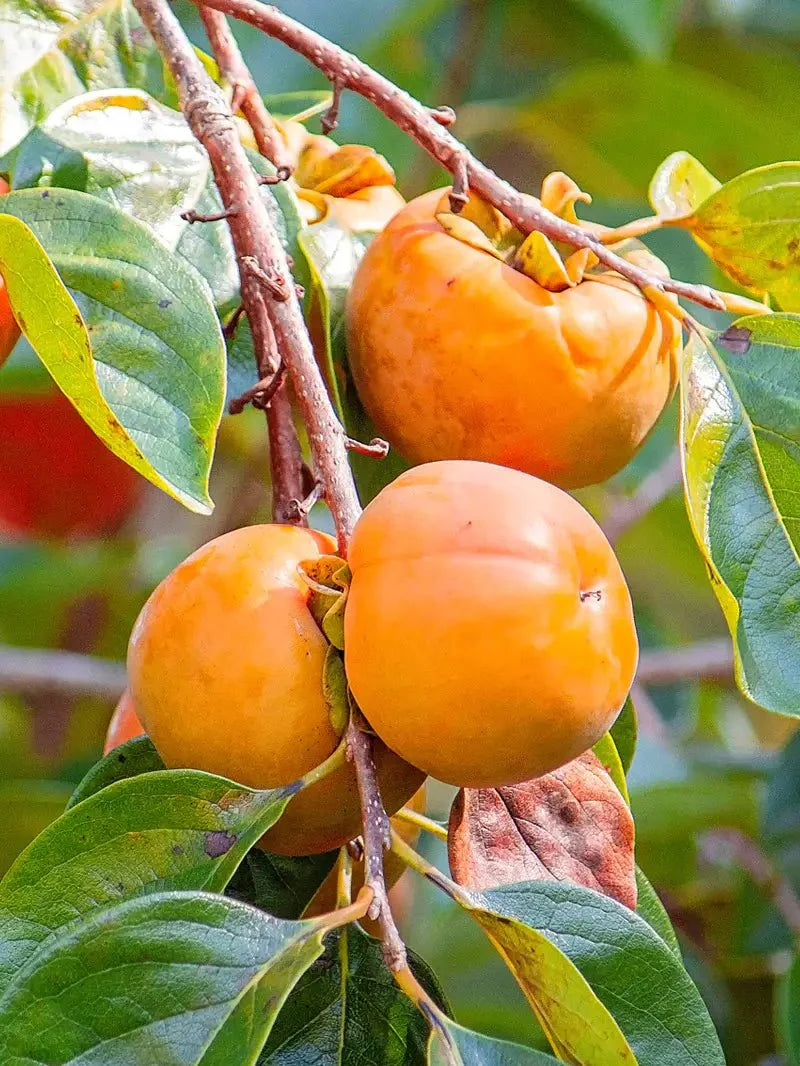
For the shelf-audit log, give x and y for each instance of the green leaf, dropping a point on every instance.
(650, 907)
(281, 885)
(173, 978)
(461, 1047)
(750, 227)
(170, 829)
(347, 1009)
(624, 732)
(632, 970)
(157, 355)
(606, 751)
(26, 808)
(300, 105)
(787, 1014)
(137, 756)
(780, 822)
(52, 52)
(680, 185)
(581, 1030)
(647, 26)
(741, 443)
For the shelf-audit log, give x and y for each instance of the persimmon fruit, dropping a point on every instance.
(225, 666)
(9, 330)
(58, 478)
(125, 723)
(489, 633)
(457, 352)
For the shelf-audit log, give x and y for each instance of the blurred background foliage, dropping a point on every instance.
(604, 90)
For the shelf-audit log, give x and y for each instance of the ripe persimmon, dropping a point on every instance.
(124, 725)
(466, 342)
(225, 667)
(9, 330)
(58, 478)
(489, 633)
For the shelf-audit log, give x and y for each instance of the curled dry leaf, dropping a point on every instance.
(570, 825)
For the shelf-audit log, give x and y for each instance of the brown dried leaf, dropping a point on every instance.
(570, 825)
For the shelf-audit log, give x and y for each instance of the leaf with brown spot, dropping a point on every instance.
(570, 825)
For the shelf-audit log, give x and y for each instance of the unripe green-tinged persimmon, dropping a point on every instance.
(458, 353)
(489, 634)
(124, 725)
(9, 330)
(57, 478)
(225, 667)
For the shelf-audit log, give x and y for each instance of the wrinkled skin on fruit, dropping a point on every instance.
(57, 478)
(225, 667)
(9, 330)
(489, 634)
(393, 869)
(457, 355)
(124, 725)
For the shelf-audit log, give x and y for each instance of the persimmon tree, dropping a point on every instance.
(174, 245)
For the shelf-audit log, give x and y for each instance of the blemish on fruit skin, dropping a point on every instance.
(593, 594)
(217, 843)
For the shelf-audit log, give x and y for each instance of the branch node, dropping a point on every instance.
(377, 448)
(217, 216)
(330, 120)
(459, 194)
(261, 394)
(270, 279)
(282, 173)
(230, 327)
(444, 115)
(299, 510)
(238, 96)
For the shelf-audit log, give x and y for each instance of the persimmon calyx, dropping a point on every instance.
(553, 266)
(328, 579)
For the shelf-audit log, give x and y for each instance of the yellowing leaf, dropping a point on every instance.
(680, 185)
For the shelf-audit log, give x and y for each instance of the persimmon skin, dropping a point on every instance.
(456, 355)
(489, 633)
(57, 478)
(124, 725)
(9, 330)
(225, 668)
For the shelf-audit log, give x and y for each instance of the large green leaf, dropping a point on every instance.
(741, 442)
(347, 1009)
(452, 1045)
(751, 229)
(51, 52)
(135, 757)
(624, 733)
(157, 355)
(580, 1028)
(632, 970)
(650, 907)
(176, 978)
(169, 829)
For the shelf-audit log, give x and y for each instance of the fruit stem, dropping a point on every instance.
(377, 838)
(353, 912)
(347, 71)
(336, 759)
(638, 227)
(344, 878)
(408, 983)
(268, 289)
(421, 821)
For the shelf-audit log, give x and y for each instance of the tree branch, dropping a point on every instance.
(708, 659)
(265, 275)
(347, 71)
(39, 670)
(626, 511)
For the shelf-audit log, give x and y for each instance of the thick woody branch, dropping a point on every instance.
(264, 269)
(347, 71)
(377, 838)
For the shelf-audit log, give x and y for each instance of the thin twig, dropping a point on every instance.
(260, 254)
(347, 71)
(246, 97)
(35, 670)
(377, 838)
(711, 660)
(626, 511)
